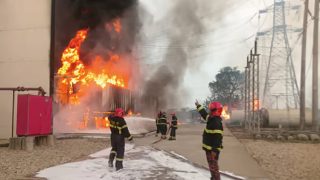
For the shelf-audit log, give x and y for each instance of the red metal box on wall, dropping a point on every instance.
(34, 115)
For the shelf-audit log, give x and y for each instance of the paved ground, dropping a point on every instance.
(141, 163)
(234, 157)
(4, 142)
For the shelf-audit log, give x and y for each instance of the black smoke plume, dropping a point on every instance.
(73, 15)
(163, 90)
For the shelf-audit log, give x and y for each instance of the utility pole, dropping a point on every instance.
(249, 114)
(253, 123)
(280, 72)
(315, 67)
(246, 96)
(252, 116)
(303, 68)
(256, 87)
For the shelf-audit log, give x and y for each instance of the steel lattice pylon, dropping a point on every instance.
(280, 80)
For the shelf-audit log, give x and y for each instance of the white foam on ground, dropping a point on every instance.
(139, 163)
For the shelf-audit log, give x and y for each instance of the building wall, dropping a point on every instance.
(24, 51)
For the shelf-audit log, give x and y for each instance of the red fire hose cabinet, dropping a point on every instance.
(34, 115)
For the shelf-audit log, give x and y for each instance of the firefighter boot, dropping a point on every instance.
(119, 165)
(110, 164)
(111, 158)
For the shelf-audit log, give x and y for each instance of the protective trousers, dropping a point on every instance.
(212, 158)
(158, 129)
(117, 150)
(163, 130)
(173, 133)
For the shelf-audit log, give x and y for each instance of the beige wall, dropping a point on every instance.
(24, 50)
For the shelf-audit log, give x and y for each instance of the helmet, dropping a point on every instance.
(215, 108)
(119, 112)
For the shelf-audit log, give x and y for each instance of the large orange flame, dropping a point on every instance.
(256, 104)
(74, 75)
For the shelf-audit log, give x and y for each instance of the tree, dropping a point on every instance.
(228, 87)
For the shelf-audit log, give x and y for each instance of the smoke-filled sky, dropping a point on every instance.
(209, 35)
(223, 28)
(182, 44)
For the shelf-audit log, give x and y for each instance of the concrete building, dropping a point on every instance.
(24, 52)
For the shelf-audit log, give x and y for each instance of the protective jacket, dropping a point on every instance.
(213, 133)
(174, 122)
(162, 123)
(119, 126)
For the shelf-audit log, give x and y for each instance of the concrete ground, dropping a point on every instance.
(234, 158)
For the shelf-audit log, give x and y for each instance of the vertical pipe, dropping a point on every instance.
(52, 47)
(13, 102)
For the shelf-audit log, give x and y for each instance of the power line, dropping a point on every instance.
(209, 32)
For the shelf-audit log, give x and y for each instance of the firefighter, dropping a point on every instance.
(173, 126)
(163, 125)
(212, 136)
(119, 131)
(157, 123)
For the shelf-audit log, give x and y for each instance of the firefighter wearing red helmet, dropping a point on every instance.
(119, 131)
(212, 136)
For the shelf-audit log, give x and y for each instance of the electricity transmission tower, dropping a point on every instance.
(280, 77)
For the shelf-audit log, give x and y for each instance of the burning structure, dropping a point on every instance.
(94, 66)
(103, 72)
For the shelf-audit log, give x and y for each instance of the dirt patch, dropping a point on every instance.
(283, 159)
(17, 164)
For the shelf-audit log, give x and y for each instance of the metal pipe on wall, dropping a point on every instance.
(12, 118)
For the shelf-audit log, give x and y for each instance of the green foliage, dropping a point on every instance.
(228, 86)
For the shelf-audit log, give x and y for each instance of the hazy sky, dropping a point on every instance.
(222, 38)
(228, 37)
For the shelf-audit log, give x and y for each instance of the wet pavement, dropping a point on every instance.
(179, 159)
(234, 157)
(141, 162)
